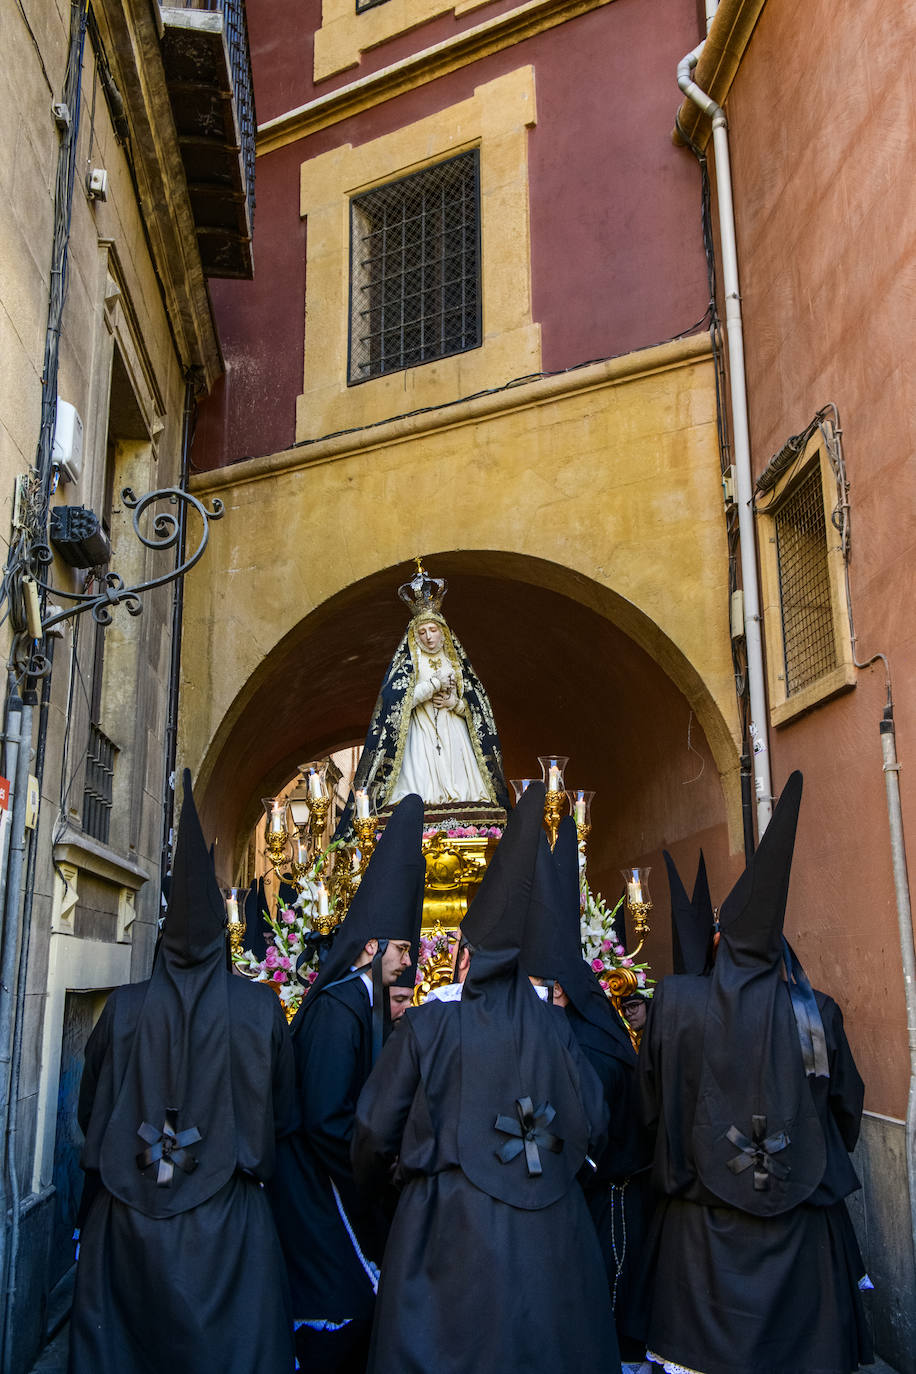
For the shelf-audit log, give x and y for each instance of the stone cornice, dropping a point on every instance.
(595, 376)
(718, 65)
(130, 33)
(493, 35)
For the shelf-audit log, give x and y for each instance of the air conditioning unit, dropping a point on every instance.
(67, 454)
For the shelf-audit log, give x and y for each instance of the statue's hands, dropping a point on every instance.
(446, 700)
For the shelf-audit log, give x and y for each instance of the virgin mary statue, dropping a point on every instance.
(432, 730)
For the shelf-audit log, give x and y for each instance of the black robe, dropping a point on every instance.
(164, 1293)
(619, 1194)
(332, 1234)
(735, 1293)
(471, 1283)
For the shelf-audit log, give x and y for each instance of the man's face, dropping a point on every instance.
(394, 961)
(430, 636)
(400, 1001)
(635, 1013)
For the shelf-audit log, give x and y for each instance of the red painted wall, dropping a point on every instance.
(617, 260)
(819, 117)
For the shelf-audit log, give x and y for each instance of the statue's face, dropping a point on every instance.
(429, 633)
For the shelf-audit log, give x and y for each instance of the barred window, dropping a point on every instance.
(415, 269)
(804, 585)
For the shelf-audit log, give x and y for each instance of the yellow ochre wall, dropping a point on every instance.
(607, 477)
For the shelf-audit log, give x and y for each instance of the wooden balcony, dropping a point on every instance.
(208, 72)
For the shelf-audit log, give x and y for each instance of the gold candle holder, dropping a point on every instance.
(639, 903)
(318, 818)
(553, 814)
(235, 913)
(365, 834)
(237, 939)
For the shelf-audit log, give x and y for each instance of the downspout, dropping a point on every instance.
(734, 330)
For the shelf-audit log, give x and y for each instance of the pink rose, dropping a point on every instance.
(607, 944)
(627, 962)
(597, 965)
(311, 975)
(619, 949)
(285, 962)
(279, 976)
(271, 958)
(494, 832)
(289, 917)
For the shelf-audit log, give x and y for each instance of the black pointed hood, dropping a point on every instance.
(496, 917)
(255, 927)
(758, 1143)
(387, 905)
(691, 920)
(576, 975)
(515, 1067)
(177, 1075)
(540, 953)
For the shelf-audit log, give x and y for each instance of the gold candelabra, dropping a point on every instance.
(553, 813)
(237, 931)
(365, 834)
(639, 903)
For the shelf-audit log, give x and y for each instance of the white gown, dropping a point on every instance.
(439, 761)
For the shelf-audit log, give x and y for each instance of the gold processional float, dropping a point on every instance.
(459, 841)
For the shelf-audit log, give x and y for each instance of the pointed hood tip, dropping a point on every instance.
(496, 915)
(195, 919)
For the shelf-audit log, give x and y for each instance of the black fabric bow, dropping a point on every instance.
(313, 942)
(167, 1148)
(529, 1132)
(758, 1151)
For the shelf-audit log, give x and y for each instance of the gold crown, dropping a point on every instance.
(423, 594)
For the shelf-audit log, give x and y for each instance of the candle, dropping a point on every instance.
(322, 900)
(277, 819)
(232, 907)
(581, 809)
(553, 784)
(634, 893)
(362, 805)
(302, 854)
(314, 786)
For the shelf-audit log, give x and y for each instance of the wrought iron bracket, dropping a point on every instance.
(167, 529)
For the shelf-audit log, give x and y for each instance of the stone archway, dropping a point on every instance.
(568, 665)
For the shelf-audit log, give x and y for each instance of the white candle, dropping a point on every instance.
(322, 900)
(553, 784)
(302, 854)
(634, 893)
(580, 810)
(232, 907)
(277, 819)
(314, 786)
(362, 805)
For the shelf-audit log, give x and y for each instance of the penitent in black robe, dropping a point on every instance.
(735, 1293)
(469, 1282)
(619, 1194)
(331, 1232)
(155, 1293)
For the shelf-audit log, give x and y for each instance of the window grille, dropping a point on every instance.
(804, 585)
(415, 269)
(97, 791)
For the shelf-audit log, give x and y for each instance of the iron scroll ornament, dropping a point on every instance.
(166, 533)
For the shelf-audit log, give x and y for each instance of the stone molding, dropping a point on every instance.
(131, 37)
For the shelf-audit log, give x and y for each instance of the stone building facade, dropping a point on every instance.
(109, 229)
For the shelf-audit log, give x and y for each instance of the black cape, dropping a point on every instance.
(178, 1226)
(735, 1293)
(470, 1281)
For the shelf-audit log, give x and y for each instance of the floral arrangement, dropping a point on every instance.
(433, 949)
(600, 945)
(289, 927)
(452, 829)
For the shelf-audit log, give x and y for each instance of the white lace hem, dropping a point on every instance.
(669, 1366)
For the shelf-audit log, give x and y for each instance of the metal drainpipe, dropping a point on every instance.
(9, 966)
(907, 952)
(734, 329)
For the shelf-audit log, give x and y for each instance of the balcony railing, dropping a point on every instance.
(97, 790)
(208, 71)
